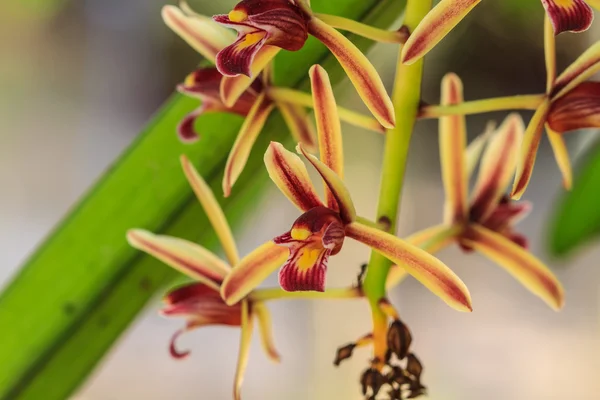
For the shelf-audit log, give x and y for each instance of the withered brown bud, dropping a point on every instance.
(415, 390)
(414, 366)
(343, 353)
(372, 379)
(399, 339)
(397, 375)
(395, 394)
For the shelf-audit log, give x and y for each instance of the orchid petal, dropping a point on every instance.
(359, 69)
(329, 130)
(497, 167)
(521, 264)
(266, 330)
(549, 54)
(561, 154)
(531, 142)
(288, 172)
(338, 189)
(569, 15)
(299, 124)
(475, 148)
(453, 141)
(251, 271)
(201, 33)
(427, 269)
(586, 65)
(578, 109)
(427, 239)
(305, 269)
(594, 3)
(185, 129)
(238, 156)
(244, 351)
(212, 209)
(187, 257)
(434, 27)
(232, 87)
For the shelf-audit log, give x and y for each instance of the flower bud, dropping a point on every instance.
(343, 353)
(399, 339)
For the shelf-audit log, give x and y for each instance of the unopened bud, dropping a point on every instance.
(414, 366)
(372, 379)
(399, 339)
(343, 353)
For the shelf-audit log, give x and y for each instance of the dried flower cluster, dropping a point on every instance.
(225, 292)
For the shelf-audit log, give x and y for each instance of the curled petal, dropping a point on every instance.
(238, 156)
(578, 109)
(251, 271)
(475, 148)
(336, 186)
(531, 142)
(187, 257)
(173, 348)
(359, 69)
(244, 351)
(586, 65)
(427, 269)
(497, 167)
(299, 124)
(232, 87)
(453, 141)
(289, 174)
(569, 15)
(237, 58)
(212, 209)
(266, 330)
(561, 155)
(434, 27)
(203, 34)
(521, 264)
(185, 129)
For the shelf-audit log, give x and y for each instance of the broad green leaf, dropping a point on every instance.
(576, 219)
(84, 285)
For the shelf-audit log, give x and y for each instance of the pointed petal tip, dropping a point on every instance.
(175, 353)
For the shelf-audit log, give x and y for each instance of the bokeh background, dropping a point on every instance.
(78, 80)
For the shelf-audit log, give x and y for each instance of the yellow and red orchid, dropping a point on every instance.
(320, 231)
(265, 26)
(485, 223)
(256, 101)
(200, 302)
(570, 102)
(564, 15)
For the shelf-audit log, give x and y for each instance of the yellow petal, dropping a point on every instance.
(549, 54)
(561, 155)
(579, 71)
(453, 141)
(359, 69)
(238, 156)
(202, 33)
(531, 142)
(427, 269)
(497, 167)
(212, 209)
(187, 257)
(252, 270)
(521, 264)
(244, 351)
(475, 148)
(594, 3)
(299, 124)
(288, 172)
(434, 27)
(232, 87)
(339, 192)
(329, 130)
(266, 330)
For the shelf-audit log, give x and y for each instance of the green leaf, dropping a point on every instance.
(576, 219)
(84, 285)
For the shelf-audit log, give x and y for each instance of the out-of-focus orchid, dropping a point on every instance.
(571, 102)
(485, 222)
(265, 26)
(200, 302)
(255, 102)
(565, 15)
(320, 231)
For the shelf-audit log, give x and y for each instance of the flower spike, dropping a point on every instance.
(569, 15)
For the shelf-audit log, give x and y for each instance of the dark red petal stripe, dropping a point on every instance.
(292, 279)
(574, 17)
(578, 109)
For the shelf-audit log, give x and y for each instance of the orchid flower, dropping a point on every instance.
(255, 102)
(266, 26)
(565, 15)
(320, 231)
(200, 302)
(485, 222)
(571, 102)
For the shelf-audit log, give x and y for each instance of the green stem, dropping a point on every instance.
(520, 102)
(406, 97)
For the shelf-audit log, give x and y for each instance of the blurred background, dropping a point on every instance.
(78, 80)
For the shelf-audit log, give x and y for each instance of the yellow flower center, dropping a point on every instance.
(308, 258)
(237, 16)
(189, 80)
(250, 39)
(300, 234)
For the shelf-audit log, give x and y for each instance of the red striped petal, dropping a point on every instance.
(569, 15)
(578, 109)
